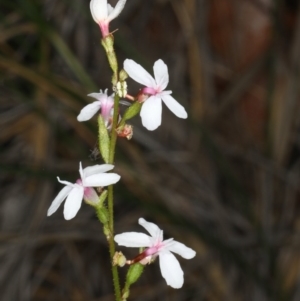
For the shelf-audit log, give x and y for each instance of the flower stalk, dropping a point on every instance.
(114, 66)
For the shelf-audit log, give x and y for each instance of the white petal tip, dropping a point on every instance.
(184, 115)
(116, 178)
(67, 218)
(176, 287)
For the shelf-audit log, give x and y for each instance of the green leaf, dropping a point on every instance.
(104, 140)
(134, 273)
(133, 110)
(102, 215)
(102, 198)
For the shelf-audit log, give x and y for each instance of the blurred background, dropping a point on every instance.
(224, 182)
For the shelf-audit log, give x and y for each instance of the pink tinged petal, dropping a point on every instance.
(161, 74)
(174, 106)
(139, 74)
(117, 10)
(89, 111)
(98, 10)
(59, 199)
(133, 240)
(182, 250)
(151, 113)
(100, 180)
(73, 202)
(170, 269)
(163, 93)
(107, 109)
(90, 195)
(91, 170)
(150, 227)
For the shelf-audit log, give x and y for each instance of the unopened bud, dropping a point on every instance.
(123, 75)
(126, 131)
(119, 259)
(121, 88)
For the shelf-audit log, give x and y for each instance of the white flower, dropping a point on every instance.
(103, 13)
(151, 109)
(104, 102)
(93, 176)
(156, 246)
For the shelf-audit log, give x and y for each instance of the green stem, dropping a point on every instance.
(111, 200)
(113, 130)
(108, 44)
(112, 244)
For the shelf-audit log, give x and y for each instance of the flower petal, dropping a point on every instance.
(98, 10)
(139, 74)
(161, 74)
(133, 240)
(174, 106)
(117, 10)
(150, 227)
(65, 182)
(89, 111)
(151, 113)
(182, 250)
(109, 9)
(91, 170)
(100, 180)
(81, 172)
(101, 96)
(73, 202)
(171, 269)
(59, 199)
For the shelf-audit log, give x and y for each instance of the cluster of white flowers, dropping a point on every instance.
(154, 90)
(154, 94)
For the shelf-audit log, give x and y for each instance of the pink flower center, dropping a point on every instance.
(146, 256)
(106, 107)
(79, 182)
(154, 249)
(104, 27)
(149, 91)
